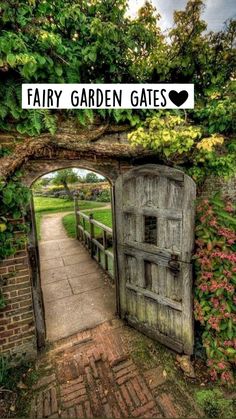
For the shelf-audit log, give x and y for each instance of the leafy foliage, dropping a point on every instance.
(96, 42)
(180, 143)
(14, 199)
(69, 42)
(92, 178)
(202, 140)
(214, 404)
(215, 302)
(64, 177)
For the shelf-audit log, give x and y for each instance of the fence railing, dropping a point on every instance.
(98, 243)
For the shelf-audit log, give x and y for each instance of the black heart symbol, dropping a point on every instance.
(178, 98)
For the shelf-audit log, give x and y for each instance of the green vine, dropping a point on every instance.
(215, 268)
(192, 147)
(14, 198)
(97, 42)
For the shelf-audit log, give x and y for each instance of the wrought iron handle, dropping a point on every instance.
(173, 263)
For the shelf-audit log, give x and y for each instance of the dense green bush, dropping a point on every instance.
(14, 198)
(215, 299)
(214, 404)
(104, 196)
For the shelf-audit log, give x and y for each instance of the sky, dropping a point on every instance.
(215, 14)
(80, 172)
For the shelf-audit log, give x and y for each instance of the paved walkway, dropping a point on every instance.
(102, 373)
(77, 293)
(108, 370)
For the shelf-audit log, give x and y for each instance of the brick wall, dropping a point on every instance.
(17, 325)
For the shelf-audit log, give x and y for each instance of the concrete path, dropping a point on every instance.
(77, 293)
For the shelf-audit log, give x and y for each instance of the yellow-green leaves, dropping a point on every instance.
(166, 133)
(3, 227)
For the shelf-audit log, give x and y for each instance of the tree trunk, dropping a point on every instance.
(68, 191)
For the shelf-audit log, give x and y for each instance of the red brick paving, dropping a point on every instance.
(93, 375)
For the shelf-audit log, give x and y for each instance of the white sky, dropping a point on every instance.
(215, 14)
(80, 172)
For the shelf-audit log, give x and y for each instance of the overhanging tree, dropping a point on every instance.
(65, 177)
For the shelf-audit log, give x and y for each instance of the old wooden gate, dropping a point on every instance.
(154, 208)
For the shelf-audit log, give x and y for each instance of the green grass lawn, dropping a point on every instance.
(103, 216)
(44, 205)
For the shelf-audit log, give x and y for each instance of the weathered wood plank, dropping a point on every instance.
(158, 298)
(149, 252)
(155, 334)
(154, 211)
(155, 275)
(155, 170)
(102, 226)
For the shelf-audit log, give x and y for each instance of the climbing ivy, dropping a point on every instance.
(97, 42)
(189, 146)
(215, 266)
(14, 198)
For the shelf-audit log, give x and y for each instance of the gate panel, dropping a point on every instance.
(154, 208)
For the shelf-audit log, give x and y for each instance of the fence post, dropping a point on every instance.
(91, 233)
(105, 248)
(77, 219)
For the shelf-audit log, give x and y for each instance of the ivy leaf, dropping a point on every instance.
(7, 196)
(11, 59)
(3, 227)
(16, 214)
(58, 71)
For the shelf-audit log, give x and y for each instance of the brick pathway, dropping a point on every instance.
(93, 374)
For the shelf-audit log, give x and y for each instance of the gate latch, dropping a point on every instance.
(173, 264)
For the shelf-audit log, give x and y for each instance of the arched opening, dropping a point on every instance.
(71, 243)
(153, 236)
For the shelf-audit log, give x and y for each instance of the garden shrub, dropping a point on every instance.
(105, 196)
(215, 299)
(14, 199)
(214, 404)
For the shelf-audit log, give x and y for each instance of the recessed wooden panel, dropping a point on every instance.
(173, 235)
(131, 303)
(169, 322)
(129, 192)
(147, 190)
(173, 323)
(151, 276)
(173, 285)
(151, 312)
(174, 194)
(131, 269)
(163, 281)
(129, 227)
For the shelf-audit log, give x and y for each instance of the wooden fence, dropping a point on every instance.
(97, 246)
